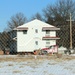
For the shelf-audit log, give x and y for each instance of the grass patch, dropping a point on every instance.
(10, 64)
(16, 71)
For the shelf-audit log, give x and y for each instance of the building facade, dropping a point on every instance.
(35, 35)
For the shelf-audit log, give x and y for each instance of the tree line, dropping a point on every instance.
(56, 14)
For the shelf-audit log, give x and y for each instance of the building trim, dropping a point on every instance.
(21, 28)
(51, 38)
(50, 28)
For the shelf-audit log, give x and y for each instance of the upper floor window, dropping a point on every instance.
(36, 30)
(47, 33)
(24, 31)
(36, 42)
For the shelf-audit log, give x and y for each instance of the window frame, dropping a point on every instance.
(24, 31)
(47, 43)
(47, 32)
(36, 42)
(36, 30)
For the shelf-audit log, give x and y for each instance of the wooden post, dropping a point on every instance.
(70, 32)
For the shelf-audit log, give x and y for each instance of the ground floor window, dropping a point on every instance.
(47, 43)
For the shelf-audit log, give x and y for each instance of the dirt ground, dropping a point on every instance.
(33, 57)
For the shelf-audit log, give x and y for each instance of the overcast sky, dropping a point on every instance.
(9, 8)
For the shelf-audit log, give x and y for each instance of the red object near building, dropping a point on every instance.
(52, 49)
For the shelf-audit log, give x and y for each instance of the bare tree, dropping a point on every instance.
(58, 14)
(37, 16)
(4, 37)
(16, 20)
(8, 34)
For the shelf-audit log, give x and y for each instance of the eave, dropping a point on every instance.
(21, 28)
(50, 38)
(50, 28)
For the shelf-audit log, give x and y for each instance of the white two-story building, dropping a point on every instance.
(35, 35)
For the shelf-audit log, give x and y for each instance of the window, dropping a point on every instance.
(36, 42)
(36, 30)
(47, 43)
(47, 33)
(24, 31)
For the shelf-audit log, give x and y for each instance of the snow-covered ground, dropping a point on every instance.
(38, 67)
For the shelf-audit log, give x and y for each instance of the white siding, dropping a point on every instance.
(26, 42)
(53, 33)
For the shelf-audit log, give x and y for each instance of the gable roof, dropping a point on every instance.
(36, 23)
